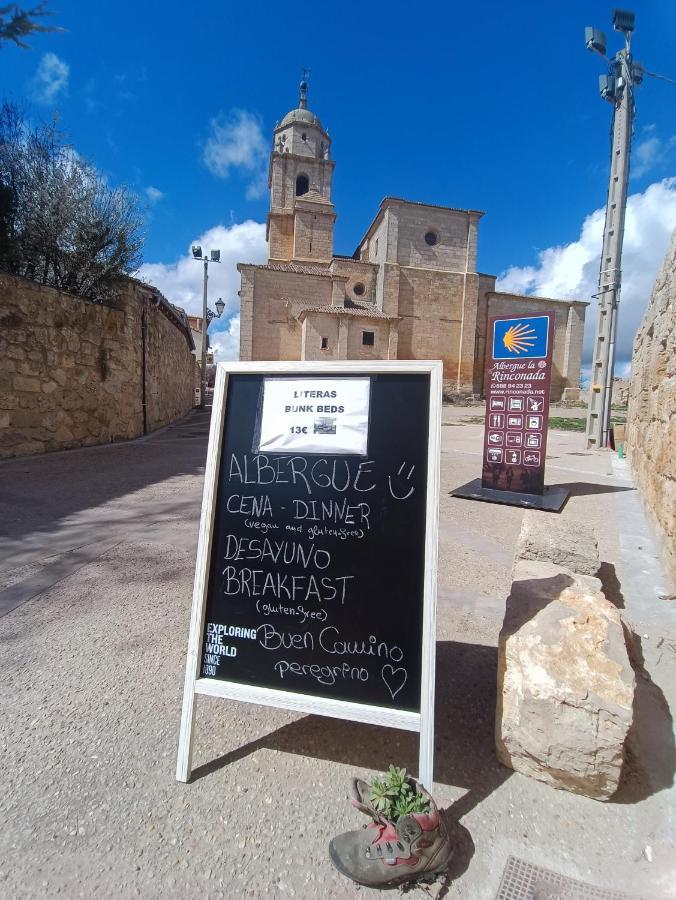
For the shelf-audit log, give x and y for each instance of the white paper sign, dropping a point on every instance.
(315, 415)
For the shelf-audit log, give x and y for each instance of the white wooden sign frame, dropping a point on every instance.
(422, 722)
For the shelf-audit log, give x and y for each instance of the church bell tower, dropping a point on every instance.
(301, 217)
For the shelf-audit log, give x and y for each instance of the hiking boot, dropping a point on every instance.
(361, 799)
(384, 853)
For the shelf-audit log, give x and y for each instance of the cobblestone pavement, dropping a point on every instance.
(96, 567)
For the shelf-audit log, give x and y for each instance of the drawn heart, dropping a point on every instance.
(394, 679)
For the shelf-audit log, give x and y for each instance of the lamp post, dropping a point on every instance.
(617, 87)
(214, 257)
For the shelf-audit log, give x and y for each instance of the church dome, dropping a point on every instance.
(301, 116)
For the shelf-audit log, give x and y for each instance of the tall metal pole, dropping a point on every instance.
(610, 273)
(203, 367)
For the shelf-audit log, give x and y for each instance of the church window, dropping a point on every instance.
(359, 289)
(431, 238)
(368, 338)
(325, 343)
(303, 136)
(302, 185)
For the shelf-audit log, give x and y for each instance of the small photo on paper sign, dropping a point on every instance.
(315, 415)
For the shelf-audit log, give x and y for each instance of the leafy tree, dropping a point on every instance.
(16, 23)
(60, 222)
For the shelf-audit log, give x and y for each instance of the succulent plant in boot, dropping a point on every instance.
(406, 841)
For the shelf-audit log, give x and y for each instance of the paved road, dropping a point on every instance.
(96, 562)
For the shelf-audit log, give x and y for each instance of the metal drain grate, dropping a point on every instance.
(523, 881)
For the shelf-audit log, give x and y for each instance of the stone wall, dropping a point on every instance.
(456, 233)
(268, 327)
(357, 273)
(72, 371)
(171, 368)
(431, 314)
(651, 417)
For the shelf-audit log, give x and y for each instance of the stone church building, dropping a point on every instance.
(410, 290)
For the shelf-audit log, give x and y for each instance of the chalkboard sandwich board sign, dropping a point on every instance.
(315, 583)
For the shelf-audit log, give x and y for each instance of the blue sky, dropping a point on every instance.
(489, 105)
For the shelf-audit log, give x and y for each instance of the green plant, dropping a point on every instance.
(395, 794)
(16, 24)
(61, 222)
(567, 423)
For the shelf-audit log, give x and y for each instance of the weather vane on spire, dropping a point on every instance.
(303, 88)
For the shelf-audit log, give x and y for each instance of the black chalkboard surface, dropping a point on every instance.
(317, 563)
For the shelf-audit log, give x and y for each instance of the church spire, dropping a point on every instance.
(303, 89)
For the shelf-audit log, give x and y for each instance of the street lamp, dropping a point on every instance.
(211, 315)
(214, 257)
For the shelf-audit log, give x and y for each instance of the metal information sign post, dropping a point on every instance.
(518, 380)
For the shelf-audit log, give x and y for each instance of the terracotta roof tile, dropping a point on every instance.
(365, 312)
(295, 268)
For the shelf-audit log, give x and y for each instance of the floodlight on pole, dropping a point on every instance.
(608, 88)
(624, 20)
(196, 251)
(595, 41)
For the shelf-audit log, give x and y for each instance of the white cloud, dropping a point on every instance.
(258, 186)
(226, 341)
(645, 155)
(237, 142)
(571, 271)
(153, 194)
(650, 153)
(181, 282)
(50, 79)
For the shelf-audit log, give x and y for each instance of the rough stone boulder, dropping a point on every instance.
(565, 682)
(569, 544)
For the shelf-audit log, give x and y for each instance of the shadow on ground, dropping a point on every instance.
(38, 492)
(610, 584)
(464, 728)
(650, 760)
(587, 488)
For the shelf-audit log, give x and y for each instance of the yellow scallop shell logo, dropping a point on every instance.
(519, 338)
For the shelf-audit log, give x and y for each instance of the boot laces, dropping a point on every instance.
(387, 849)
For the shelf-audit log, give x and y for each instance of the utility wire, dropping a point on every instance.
(661, 77)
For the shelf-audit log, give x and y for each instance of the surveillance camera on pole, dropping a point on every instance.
(617, 88)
